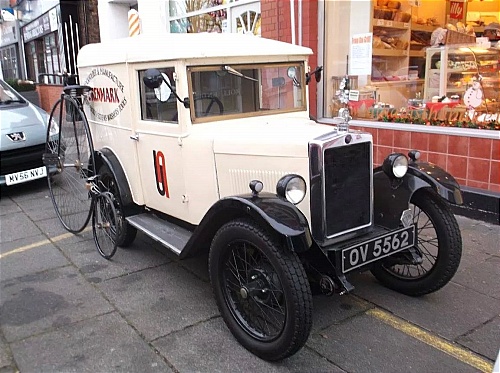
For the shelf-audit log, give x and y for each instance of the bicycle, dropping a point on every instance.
(74, 186)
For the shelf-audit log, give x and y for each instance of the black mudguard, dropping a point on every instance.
(106, 156)
(392, 196)
(266, 209)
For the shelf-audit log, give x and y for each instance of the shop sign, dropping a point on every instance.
(106, 99)
(7, 34)
(360, 57)
(53, 19)
(457, 9)
(37, 28)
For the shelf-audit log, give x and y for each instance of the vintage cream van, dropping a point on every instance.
(205, 143)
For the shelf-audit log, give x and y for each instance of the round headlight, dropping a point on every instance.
(395, 165)
(291, 187)
(400, 166)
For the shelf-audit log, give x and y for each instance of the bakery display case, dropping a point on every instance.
(391, 40)
(452, 72)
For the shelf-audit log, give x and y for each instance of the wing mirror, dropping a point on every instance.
(153, 79)
(317, 74)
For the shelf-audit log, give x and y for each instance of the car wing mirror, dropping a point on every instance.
(317, 74)
(153, 79)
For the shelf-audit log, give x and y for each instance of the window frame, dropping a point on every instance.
(142, 95)
(258, 113)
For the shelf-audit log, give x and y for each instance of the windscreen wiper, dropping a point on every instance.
(232, 71)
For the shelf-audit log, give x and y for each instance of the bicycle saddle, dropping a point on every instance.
(76, 90)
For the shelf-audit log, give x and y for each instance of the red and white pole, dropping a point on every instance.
(134, 26)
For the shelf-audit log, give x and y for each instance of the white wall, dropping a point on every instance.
(113, 19)
(153, 16)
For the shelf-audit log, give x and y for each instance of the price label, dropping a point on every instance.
(380, 22)
(389, 23)
(353, 95)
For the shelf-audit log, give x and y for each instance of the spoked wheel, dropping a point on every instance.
(439, 245)
(104, 225)
(70, 162)
(261, 290)
(126, 233)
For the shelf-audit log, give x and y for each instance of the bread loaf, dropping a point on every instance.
(402, 16)
(451, 27)
(394, 4)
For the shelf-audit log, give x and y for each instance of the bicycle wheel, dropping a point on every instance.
(70, 162)
(104, 225)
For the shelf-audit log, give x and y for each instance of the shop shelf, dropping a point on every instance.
(390, 52)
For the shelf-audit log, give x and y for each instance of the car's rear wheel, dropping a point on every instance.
(439, 245)
(126, 233)
(261, 290)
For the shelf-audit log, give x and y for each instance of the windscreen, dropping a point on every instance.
(244, 90)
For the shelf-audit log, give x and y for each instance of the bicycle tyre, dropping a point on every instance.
(70, 162)
(104, 225)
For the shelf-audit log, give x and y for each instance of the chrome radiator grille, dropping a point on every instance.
(341, 184)
(347, 183)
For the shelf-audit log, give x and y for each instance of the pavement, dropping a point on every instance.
(63, 308)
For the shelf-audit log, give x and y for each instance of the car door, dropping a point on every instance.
(157, 135)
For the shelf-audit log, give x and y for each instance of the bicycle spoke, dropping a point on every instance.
(68, 187)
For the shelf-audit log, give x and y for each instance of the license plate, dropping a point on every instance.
(23, 176)
(377, 248)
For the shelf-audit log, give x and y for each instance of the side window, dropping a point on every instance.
(159, 104)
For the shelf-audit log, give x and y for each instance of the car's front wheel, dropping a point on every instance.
(439, 245)
(261, 290)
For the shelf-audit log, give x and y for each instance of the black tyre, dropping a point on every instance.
(104, 225)
(261, 290)
(70, 162)
(126, 233)
(439, 244)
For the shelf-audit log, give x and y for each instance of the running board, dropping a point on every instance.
(168, 234)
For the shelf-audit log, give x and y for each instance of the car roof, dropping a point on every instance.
(174, 46)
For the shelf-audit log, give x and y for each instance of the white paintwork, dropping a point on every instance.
(164, 47)
(205, 161)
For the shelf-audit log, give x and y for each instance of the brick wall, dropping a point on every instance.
(473, 161)
(89, 22)
(276, 24)
(49, 94)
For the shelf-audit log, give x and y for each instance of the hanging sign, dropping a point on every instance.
(457, 9)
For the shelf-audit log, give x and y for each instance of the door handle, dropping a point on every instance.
(134, 137)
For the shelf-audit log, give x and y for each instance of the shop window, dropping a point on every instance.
(159, 104)
(35, 57)
(413, 63)
(215, 16)
(51, 56)
(8, 58)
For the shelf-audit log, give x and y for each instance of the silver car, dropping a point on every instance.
(23, 137)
